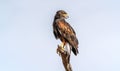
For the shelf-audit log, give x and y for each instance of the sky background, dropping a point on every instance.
(27, 42)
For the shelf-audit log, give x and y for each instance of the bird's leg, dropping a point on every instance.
(61, 48)
(62, 45)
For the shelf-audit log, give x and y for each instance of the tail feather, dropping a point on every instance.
(75, 50)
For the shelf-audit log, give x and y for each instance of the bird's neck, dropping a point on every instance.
(60, 19)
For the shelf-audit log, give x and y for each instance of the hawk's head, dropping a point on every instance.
(61, 14)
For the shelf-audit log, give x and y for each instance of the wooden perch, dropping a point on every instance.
(65, 58)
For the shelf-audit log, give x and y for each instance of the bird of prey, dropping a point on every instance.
(63, 31)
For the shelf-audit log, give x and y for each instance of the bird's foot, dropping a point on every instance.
(61, 45)
(60, 50)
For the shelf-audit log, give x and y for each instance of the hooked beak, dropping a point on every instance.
(66, 16)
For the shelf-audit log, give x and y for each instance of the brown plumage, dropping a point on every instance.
(63, 31)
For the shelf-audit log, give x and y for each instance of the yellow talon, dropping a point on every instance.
(61, 45)
(62, 48)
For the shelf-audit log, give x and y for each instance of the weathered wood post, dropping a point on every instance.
(65, 58)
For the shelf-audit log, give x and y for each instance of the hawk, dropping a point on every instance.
(63, 31)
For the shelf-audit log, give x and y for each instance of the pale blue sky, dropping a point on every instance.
(27, 42)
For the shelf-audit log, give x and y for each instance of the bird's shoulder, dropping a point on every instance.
(66, 27)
